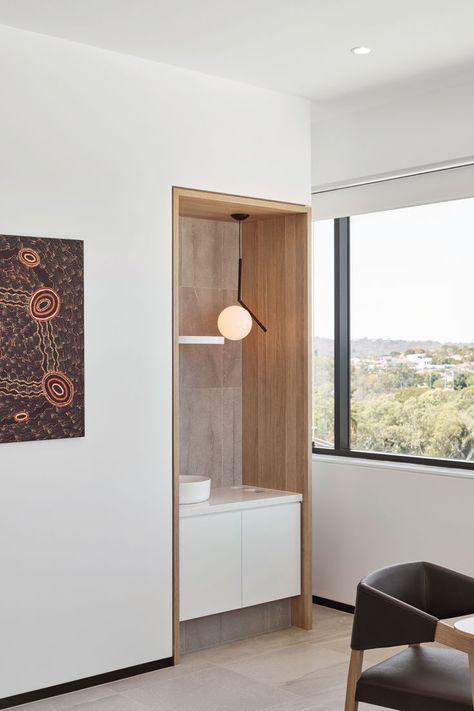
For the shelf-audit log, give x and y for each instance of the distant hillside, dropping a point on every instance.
(373, 347)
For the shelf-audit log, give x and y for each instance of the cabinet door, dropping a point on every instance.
(271, 564)
(210, 564)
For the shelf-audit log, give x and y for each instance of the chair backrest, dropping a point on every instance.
(402, 604)
(405, 582)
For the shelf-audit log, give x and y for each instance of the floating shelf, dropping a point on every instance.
(201, 340)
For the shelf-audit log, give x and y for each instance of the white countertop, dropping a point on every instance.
(236, 498)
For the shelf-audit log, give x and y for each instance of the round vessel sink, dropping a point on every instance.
(193, 489)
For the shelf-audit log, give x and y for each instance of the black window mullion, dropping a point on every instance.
(342, 355)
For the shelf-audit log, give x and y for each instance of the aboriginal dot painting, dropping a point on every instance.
(41, 338)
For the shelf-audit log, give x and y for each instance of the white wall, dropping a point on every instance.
(367, 515)
(413, 130)
(91, 143)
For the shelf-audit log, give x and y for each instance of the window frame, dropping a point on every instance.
(342, 366)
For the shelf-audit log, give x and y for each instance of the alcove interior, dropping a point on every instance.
(241, 409)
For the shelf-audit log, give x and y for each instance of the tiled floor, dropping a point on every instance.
(290, 670)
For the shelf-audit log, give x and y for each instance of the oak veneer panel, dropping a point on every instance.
(276, 363)
(275, 372)
(216, 206)
(176, 462)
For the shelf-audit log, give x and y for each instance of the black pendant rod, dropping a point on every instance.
(240, 217)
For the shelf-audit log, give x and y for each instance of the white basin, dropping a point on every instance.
(193, 489)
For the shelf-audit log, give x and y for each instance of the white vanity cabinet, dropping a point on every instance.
(271, 565)
(210, 564)
(238, 550)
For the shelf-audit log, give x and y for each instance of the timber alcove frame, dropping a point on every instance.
(276, 366)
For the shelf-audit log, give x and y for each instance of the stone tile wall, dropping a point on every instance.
(210, 375)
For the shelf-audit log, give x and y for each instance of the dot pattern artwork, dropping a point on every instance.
(41, 338)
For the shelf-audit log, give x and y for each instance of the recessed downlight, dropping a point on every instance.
(361, 50)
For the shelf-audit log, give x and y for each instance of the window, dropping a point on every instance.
(396, 381)
(323, 334)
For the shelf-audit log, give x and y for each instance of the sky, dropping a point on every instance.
(412, 274)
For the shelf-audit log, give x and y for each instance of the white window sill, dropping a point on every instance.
(388, 465)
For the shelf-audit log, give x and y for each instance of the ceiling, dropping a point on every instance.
(299, 47)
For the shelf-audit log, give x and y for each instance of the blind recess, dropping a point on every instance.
(428, 184)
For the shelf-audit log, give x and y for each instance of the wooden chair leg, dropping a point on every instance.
(471, 667)
(355, 670)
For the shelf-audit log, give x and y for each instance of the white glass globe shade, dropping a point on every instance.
(234, 323)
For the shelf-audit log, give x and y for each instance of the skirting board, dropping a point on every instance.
(333, 604)
(69, 686)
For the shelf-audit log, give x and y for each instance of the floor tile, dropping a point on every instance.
(323, 682)
(286, 664)
(213, 688)
(117, 702)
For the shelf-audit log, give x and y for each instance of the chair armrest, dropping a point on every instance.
(456, 637)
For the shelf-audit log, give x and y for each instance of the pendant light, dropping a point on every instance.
(235, 322)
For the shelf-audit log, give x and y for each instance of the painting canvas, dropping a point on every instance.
(41, 338)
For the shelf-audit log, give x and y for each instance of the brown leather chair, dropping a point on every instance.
(405, 605)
